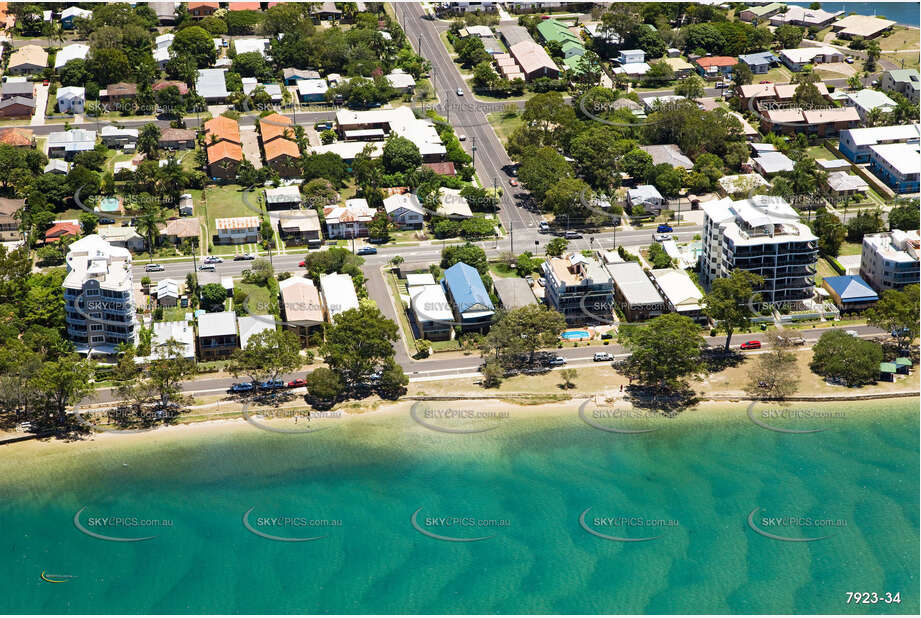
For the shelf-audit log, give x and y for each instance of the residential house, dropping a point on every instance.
(401, 81)
(799, 16)
(850, 293)
(763, 235)
(855, 144)
(74, 51)
(73, 12)
(759, 14)
(211, 85)
(251, 325)
(668, 153)
(679, 66)
(17, 107)
(98, 296)
(59, 166)
(17, 87)
(867, 100)
(452, 204)
(27, 60)
(349, 221)
(292, 75)
(250, 84)
(472, 308)
(680, 293)
(62, 229)
(115, 137)
(177, 139)
(338, 294)
(71, 99)
(186, 229)
(115, 94)
(861, 26)
(797, 59)
(631, 56)
(246, 46)
(442, 168)
(821, 122)
(217, 335)
(186, 205)
(580, 288)
(514, 292)
(741, 184)
(843, 184)
(360, 125)
(180, 332)
(716, 67)
(18, 137)
(771, 163)
(167, 293)
(200, 10)
(890, 260)
(312, 90)
(405, 210)
(534, 61)
(898, 165)
(327, 11)
(237, 230)
(166, 12)
(760, 62)
(430, 310)
(122, 236)
(222, 141)
(301, 307)
(9, 219)
(276, 126)
(283, 198)
(283, 156)
(300, 227)
(66, 144)
(167, 83)
(647, 197)
(906, 82)
(634, 293)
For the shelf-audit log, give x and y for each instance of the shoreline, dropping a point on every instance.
(707, 410)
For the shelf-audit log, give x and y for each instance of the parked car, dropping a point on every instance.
(719, 85)
(664, 227)
(661, 237)
(849, 59)
(556, 361)
(750, 345)
(297, 383)
(541, 282)
(213, 259)
(852, 333)
(460, 92)
(795, 340)
(207, 267)
(154, 268)
(270, 385)
(530, 280)
(106, 220)
(572, 235)
(462, 137)
(513, 182)
(601, 357)
(605, 336)
(765, 81)
(543, 227)
(301, 264)
(366, 251)
(244, 256)
(241, 387)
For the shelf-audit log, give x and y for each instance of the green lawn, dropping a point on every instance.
(819, 152)
(776, 74)
(850, 248)
(258, 300)
(504, 124)
(175, 314)
(900, 38)
(502, 270)
(823, 269)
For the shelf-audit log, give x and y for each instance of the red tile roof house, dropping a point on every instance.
(714, 67)
(200, 10)
(222, 140)
(166, 83)
(60, 230)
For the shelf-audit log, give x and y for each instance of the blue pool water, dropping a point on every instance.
(108, 204)
(575, 334)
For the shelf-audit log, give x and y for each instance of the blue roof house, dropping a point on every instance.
(850, 292)
(760, 62)
(470, 301)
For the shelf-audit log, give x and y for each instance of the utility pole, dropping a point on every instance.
(473, 150)
(511, 236)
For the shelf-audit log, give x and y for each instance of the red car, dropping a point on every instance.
(299, 382)
(301, 264)
(750, 345)
(513, 182)
(765, 81)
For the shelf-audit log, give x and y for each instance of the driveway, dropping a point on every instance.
(41, 103)
(250, 143)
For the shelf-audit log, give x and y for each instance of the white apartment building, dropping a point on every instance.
(762, 235)
(890, 260)
(98, 301)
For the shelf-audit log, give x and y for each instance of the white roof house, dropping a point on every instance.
(867, 100)
(179, 331)
(400, 80)
(251, 325)
(75, 51)
(312, 87)
(452, 204)
(842, 182)
(245, 46)
(167, 288)
(398, 204)
(634, 285)
(430, 304)
(164, 40)
(678, 289)
(217, 324)
(742, 183)
(768, 163)
(211, 84)
(338, 294)
(75, 11)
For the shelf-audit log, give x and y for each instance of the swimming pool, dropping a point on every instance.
(108, 204)
(575, 334)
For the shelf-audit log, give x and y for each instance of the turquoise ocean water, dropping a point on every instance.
(906, 13)
(692, 485)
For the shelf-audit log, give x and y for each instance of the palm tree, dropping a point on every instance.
(148, 222)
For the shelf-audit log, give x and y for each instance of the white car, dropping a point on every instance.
(460, 92)
(852, 333)
(600, 357)
(462, 137)
(661, 237)
(213, 259)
